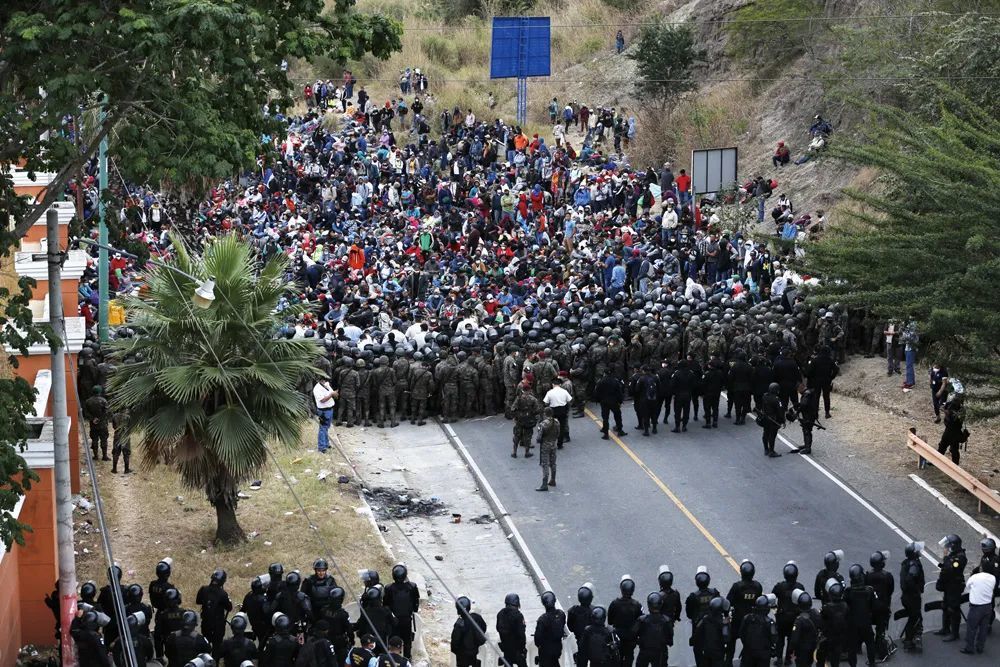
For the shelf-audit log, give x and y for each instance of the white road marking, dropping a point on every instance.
(975, 525)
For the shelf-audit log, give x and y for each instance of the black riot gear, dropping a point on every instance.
(790, 572)
(585, 595)
(512, 600)
(549, 600)
(399, 573)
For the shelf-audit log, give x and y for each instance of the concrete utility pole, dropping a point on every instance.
(102, 256)
(60, 428)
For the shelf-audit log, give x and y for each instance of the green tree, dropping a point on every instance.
(207, 391)
(924, 246)
(772, 32)
(182, 82)
(665, 57)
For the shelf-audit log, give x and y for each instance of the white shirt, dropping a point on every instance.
(320, 391)
(980, 588)
(557, 397)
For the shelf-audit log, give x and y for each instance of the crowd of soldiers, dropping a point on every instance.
(284, 615)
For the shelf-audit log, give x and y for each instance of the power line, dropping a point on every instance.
(790, 19)
(787, 79)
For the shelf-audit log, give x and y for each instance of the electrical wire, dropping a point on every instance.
(696, 79)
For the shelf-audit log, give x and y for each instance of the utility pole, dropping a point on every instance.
(102, 256)
(60, 427)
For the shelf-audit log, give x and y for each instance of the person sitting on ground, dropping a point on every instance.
(820, 127)
(782, 155)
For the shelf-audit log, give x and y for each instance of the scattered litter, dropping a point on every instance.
(242, 495)
(83, 504)
(400, 469)
(483, 518)
(289, 513)
(157, 542)
(256, 484)
(247, 564)
(456, 518)
(86, 550)
(386, 503)
(322, 475)
(179, 499)
(343, 479)
(438, 557)
(293, 480)
(206, 550)
(384, 529)
(266, 544)
(252, 534)
(297, 459)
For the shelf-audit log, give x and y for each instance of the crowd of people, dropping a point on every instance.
(287, 620)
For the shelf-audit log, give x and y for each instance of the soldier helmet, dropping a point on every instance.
(136, 620)
(654, 601)
(281, 622)
(702, 578)
(399, 573)
(293, 579)
(773, 388)
(373, 594)
(320, 564)
(116, 572)
(256, 585)
(747, 570)
(163, 568)
(512, 600)
(585, 594)
(877, 560)
(762, 604)
(218, 577)
(360, 363)
(549, 600)
(598, 616)
(951, 542)
(835, 590)
(89, 619)
(790, 572)
(803, 600)
(856, 574)
(370, 578)
(463, 604)
(717, 605)
(172, 596)
(988, 545)
(98, 390)
(276, 570)
(337, 597)
(913, 549)
(832, 559)
(134, 593)
(462, 356)
(665, 578)
(189, 620)
(626, 585)
(238, 623)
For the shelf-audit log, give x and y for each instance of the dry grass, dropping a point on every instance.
(148, 522)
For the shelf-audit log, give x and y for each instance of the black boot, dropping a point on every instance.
(126, 456)
(543, 487)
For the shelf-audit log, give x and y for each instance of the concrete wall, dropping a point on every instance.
(38, 561)
(10, 604)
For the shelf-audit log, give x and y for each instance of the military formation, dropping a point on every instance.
(837, 618)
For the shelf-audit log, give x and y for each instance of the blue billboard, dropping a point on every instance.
(520, 47)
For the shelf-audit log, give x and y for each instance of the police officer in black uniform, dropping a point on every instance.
(911, 590)
(89, 644)
(711, 635)
(135, 605)
(804, 638)
(771, 417)
(187, 644)
(884, 585)
(142, 645)
(758, 635)
(831, 564)
(215, 608)
(951, 582)
(341, 629)
(670, 597)
(742, 598)
(697, 602)
(318, 651)
(106, 602)
(238, 648)
(550, 629)
(169, 620)
(788, 608)
(376, 618)
(255, 606)
(623, 612)
(159, 586)
(467, 635)
(511, 629)
(402, 597)
(317, 587)
(990, 563)
(282, 648)
(836, 626)
(654, 634)
(599, 645)
(578, 616)
(860, 598)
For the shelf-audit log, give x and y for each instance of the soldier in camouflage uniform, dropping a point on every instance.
(468, 385)
(545, 372)
(384, 387)
(98, 413)
(446, 376)
(421, 388)
(578, 376)
(364, 393)
(697, 347)
(525, 409)
(499, 357)
(616, 357)
(350, 382)
(548, 437)
(512, 366)
(487, 384)
(401, 371)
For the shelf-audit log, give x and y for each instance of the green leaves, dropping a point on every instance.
(665, 55)
(214, 388)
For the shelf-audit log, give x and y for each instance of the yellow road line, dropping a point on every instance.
(669, 494)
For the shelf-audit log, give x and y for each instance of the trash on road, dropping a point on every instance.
(394, 503)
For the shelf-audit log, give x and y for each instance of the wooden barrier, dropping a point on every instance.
(983, 493)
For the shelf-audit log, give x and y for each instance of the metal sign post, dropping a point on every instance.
(520, 48)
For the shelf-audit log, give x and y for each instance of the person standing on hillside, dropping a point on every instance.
(619, 42)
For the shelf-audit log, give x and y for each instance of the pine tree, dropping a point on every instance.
(924, 246)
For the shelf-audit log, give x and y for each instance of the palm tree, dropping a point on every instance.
(207, 391)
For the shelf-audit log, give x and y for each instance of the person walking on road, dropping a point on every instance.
(549, 431)
(525, 409)
(981, 588)
(610, 392)
(770, 418)
(558, 399)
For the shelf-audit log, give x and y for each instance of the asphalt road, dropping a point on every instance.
(705, 497)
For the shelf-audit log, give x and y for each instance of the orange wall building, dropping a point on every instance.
(27, 573)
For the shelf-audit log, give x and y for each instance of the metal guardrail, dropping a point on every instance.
(928, 454)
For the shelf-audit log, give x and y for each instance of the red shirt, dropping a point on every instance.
(683, 183)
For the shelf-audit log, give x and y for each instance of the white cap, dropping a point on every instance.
(830, 583)
(168, 560)
(839, 553)
(664, 568)
(626, 577)
(796, 594)
(701, 569)
(589, 585)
